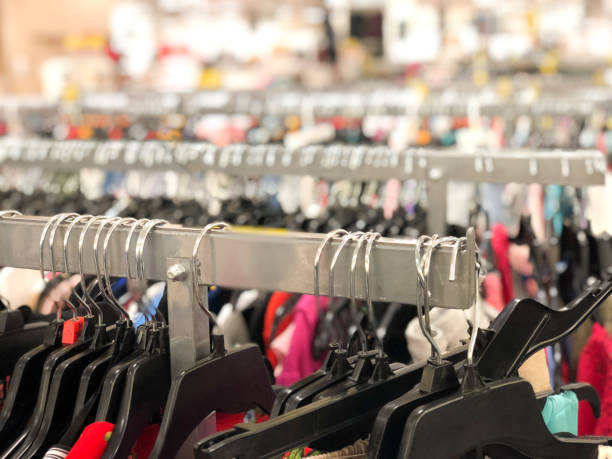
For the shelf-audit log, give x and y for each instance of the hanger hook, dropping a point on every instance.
(328, 237)
(195, 265)
(373, 237)
(128, 242)
(423, 303)
(43, 238)
(106, 270)
(83, 285)
(140, 244)
(58, 222)
(332, 267)
(66, 239)
(101, 283)
(356, 250)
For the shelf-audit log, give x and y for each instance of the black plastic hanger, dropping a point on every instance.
(62, 394)
(350, 415)
(197, 392)
(25, 383)
(17, 338)
(145, 391)
(147, 380)
(502, 412)
(526, 326)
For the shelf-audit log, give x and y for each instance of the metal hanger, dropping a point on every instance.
(114, 381)
(147, 381)
(347, 417)
(66, 378)
(22, 394)
(52, 363)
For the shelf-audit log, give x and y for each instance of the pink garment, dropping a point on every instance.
(392, 192)
(494, 290)
(280, 346)
(535, 204)
(501, 244)
(300, 362)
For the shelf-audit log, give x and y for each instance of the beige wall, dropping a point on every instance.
(33, 30)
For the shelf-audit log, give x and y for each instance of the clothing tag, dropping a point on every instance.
(72, 330)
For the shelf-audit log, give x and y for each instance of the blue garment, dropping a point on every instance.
(561, 413)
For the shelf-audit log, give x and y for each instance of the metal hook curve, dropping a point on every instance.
(195, 265)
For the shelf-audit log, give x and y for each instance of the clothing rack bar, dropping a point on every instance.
(436, 167)
(241, 259)
(577, 167)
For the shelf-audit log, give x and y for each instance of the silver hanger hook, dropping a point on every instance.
(128, 242)
(140, 244)
(328, 237)
(356, 250)
(43, 238)
(422, 304)
(83, 285)
(106, 270)
(373, 237)
(76, 220)
(101, 282)
(195, 265)
(332, 267)
(58, 222)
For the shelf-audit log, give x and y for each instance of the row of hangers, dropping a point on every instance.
(469, 397)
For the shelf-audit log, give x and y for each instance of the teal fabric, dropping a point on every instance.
(561, 413)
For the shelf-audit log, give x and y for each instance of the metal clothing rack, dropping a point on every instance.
(435, 167)
(239, 259)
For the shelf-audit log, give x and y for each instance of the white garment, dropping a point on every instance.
(21, 286)
(598, 209)
(246, 299)
(449, 327)
(233, 327)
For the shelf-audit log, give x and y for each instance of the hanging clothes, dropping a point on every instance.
(300, 361)
(595, 368)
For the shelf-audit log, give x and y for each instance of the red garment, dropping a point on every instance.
(500, 244)
(595, 368)
(144, 444)
(277, 300)
(228, 420)
(92, 442)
